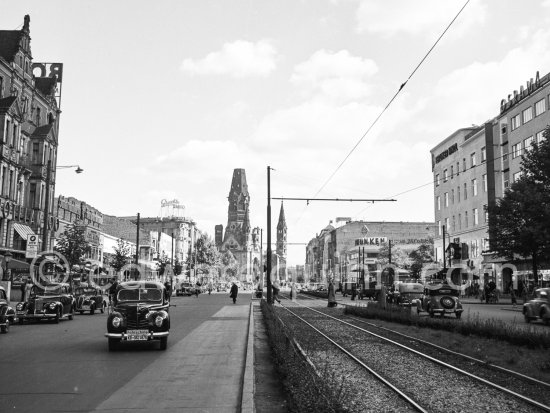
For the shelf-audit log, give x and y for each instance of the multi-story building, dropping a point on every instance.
(29, 126)
(339, 251)
(473, 168)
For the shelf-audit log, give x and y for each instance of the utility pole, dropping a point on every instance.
(268, 275)
(171, 259)
(45, 230)
(389, 251)
(137, 243)
(444, 253)
(261, 258)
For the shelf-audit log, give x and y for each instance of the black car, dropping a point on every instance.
(140, 313)
(89, 299)
(7, 314)
(47, 302)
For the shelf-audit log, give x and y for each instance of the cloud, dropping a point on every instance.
(336, 75)
(238, 59)
(429, 17)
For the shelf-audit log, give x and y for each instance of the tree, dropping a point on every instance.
(206, 256)
(519, 222)
(424, 254)
(72, 244)
(399, 257)
(122, 256)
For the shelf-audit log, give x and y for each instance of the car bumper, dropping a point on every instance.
(36, 316)
(448, 311)
(151, 336)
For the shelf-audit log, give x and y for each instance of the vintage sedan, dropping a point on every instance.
(539, 307)
(140, 313)
(47, 302)
(89, 299)
(440, 298)
(7, 314)
(186, 288)
(408, 294)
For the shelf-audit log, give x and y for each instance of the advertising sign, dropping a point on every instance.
(32, 246)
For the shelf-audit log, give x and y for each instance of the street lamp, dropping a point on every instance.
(7, 258)
(45, 231)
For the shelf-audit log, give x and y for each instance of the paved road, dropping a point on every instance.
(66, 367)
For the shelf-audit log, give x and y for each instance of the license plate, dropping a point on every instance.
(137, 335)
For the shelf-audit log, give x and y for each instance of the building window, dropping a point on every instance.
(437, 180)
(1, 87)
(476, 217)
(515, 122)
(32, 196)
(446, 199)
(473, 159)
(452, 196)
(452, 171)
(458, 193)
(445, 177)
(516, 150)
(439, 203)
(438, 227)
(447, 223)
(484, 182)
(539, 136)
(37, 116)
(466, 219)
(516, 176)
(465, 191)
(506, 184)
(483, 154)
(540, 107)
(474, 187)
(457, 168)
(527, 143)
(527, 114)
(454, 223)
(459, 221)
(486, 211)
(464, 164)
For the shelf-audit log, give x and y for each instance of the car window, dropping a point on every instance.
(141, 294)
(3, 295)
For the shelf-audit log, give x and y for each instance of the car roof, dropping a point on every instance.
(140, 284)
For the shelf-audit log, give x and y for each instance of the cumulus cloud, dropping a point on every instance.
(413, 17)
(337, 75)
(238, 59)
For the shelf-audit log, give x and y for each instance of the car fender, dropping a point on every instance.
(527, 310)
(544, 309)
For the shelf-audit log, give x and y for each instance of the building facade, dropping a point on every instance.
(473, 168)
(29, 127)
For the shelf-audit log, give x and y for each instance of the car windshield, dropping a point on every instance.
(140, 294)
(86, 291)
(47, 290)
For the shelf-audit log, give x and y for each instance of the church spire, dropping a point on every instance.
(281, 233)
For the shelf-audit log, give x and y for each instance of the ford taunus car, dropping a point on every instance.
(140, 313)
(409, 294)
(440, 298)
(7, 314)
(51, 302)
(89, 299)
(539, 307)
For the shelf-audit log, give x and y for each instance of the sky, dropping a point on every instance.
(164, 99)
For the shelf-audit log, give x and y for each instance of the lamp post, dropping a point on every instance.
(7, 258)
(45, 230)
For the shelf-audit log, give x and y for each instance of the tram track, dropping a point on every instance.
(354, 339)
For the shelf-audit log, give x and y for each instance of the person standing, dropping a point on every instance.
(22, 288)
(234, 292)
(293, 292)
(331, 294)
(276, 287)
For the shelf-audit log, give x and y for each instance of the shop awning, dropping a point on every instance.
(23, 230)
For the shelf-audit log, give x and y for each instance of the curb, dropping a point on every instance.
(247, 398)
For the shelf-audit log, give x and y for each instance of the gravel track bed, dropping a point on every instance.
(435, 387)
(358, 390)
(533, 391)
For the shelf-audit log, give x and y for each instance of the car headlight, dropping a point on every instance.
(19, 306)
(158, 320)
(52, 306)
(116, 322)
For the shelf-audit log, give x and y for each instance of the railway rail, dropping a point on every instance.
(355, 347)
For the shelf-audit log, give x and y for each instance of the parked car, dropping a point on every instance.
(440, 298)
(89, 299)
(47, 302)
(140, 313)
(408, 294)
(7, 314)
(186, 288)
(539, 307)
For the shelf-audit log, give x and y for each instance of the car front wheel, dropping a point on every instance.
(5, 328)
(527, 318)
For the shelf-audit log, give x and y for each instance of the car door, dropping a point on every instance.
(66, 300)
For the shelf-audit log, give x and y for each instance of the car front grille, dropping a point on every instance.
(38, 304)
(132, 323)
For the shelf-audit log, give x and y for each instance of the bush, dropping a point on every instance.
(492, 328)
(307, 389)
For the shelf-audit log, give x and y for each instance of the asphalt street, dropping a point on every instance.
(66, 367)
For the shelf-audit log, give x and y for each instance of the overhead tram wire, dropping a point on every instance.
(388, 104)
(432, 182)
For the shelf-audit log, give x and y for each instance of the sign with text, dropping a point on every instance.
(32, 246)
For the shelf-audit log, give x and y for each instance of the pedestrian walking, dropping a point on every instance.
(168, 290)
(234, 292)
(22, 288)
(331, 294)
(28, 288)
(293, 292)
(276, 287)
(353, 291)
(513, 294)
